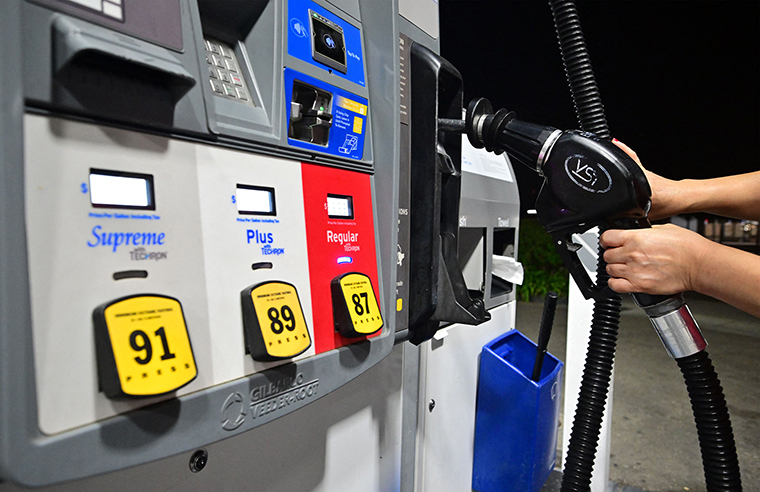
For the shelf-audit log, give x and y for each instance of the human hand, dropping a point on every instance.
(662, 260)
(665, 192)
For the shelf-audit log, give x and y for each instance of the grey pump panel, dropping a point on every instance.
(190, 100)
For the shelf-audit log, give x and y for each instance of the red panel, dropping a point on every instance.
(329, 239)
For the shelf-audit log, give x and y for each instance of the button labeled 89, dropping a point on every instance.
(275, 327)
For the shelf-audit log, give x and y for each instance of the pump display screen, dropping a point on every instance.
(115, 189)
(255, 200)
(340, 207)
(327, 42)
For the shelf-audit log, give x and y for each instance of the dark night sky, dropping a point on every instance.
(680, 80)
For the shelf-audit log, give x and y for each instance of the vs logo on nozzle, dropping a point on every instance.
(588, 174)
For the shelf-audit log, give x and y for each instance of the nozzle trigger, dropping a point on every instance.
(568, 251)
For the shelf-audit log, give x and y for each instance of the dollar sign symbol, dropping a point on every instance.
(233, 198)
(84, 187)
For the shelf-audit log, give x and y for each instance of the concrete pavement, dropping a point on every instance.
(654, 439)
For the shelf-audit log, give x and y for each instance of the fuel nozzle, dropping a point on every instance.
(588, 182)
(501, 131)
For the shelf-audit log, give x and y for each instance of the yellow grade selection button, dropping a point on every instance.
(143, 347)
(273, 320)
(355, 309)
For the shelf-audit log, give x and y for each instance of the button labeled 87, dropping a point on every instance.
(355, 308)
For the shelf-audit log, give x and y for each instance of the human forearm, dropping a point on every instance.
(731, 196)
(731, 275)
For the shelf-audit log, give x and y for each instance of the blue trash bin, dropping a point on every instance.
(517, 418)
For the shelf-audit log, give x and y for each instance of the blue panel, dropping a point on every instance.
(349, 120)
(299, 39)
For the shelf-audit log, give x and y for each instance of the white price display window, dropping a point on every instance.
(255, 200)
(340, 207)
(116, 189)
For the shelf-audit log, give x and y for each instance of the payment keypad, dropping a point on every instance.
(224, 72)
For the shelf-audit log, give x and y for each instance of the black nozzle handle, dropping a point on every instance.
(544, 332)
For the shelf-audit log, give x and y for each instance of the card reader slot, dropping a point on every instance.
(310, 117)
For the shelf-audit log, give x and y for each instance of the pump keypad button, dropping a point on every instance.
(213, 47)
(143, 346)
(226, 52)
(217, 87)
(356, 312)
(236, 80)
(275, 327)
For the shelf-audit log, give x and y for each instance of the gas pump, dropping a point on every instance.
(210, 257)
(192, 243)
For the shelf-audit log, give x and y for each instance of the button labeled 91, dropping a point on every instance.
(355, 308)
(273, 320)
(143, 347)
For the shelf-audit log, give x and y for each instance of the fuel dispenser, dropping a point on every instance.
(191, 233)
(214, 231)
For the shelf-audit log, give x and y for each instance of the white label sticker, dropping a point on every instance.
(480, 161)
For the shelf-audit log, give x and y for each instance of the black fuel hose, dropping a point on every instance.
(600, 356)
(580, 75)
(716, 438)
(595, 384)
